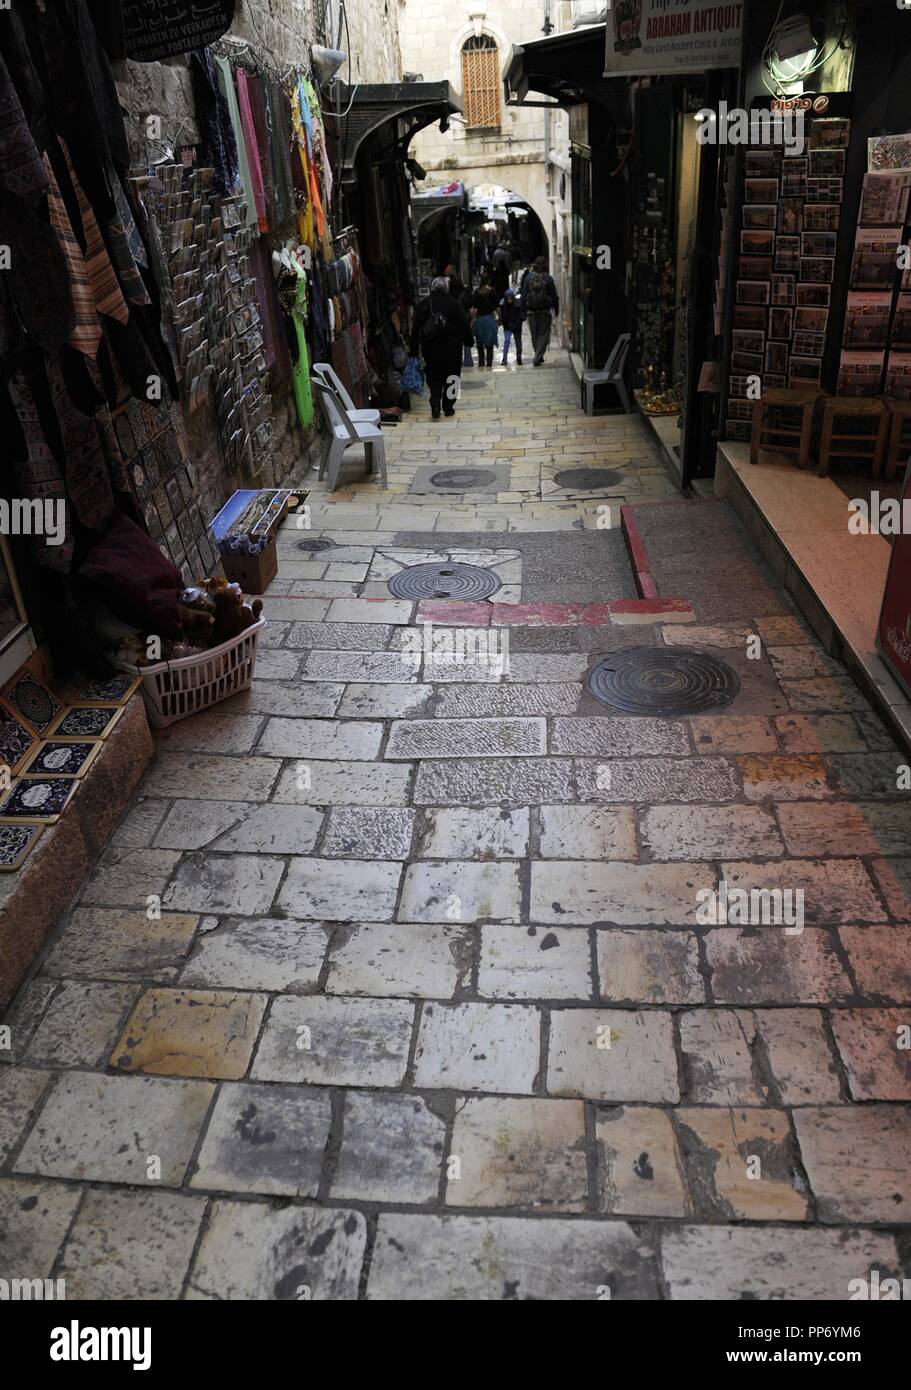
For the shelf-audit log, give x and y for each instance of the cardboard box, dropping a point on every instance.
(254, 573)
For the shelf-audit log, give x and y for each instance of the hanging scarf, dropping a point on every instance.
(249, 129)
(226, 83)
(219, 147)
(85, 336)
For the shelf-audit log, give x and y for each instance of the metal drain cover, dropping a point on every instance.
(444, 579)
(316, 543)
(463, 479)
(587, 479)
(472, 383)
(657, 680)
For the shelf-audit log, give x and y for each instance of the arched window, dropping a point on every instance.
(481, 82)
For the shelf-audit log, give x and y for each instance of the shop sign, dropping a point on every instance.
(651, 37)
(155, 29)
(894, 635)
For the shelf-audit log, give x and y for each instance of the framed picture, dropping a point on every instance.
(747, 340)
(756, 243)
(783, 289)
(759, 217)
(827, 163)
(17, 740)
(790, 216)
(750, 316)
(17, 840)
(805, 371)
(826, 190)
(780, 323)
(86, 721)
(809, 344)
(762, 162)
(32, 701)
(776, 357)
(787, 254)
(817, 269)
(818, 244)
(37, 798)
(65, 757)
(760, 190)
(810, 320)
(821, 217)
(753, 291)
(814, 296)
(746, 363)
(754, 267)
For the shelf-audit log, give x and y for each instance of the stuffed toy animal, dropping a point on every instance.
(232, 615)
(197, 616)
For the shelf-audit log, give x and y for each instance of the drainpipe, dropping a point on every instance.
(548, 26)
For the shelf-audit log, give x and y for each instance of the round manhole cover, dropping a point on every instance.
(446, 579)
(463, 479)
(587, 479)
(655, 680)
(316, 543)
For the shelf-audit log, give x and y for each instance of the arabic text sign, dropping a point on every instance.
(163, 28)
(667, 36)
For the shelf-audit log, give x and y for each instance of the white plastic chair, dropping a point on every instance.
(611, 374)
(343, 432)
(331, 378)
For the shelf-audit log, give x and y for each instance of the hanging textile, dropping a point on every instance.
(263, 145)
(249, 131)
(226, 83)
(85, 335)
(218, 144)
(38, 474)
(292, 291)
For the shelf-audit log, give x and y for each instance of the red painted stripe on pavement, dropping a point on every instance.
(637, 553)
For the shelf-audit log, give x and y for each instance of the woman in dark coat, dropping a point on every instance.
(440, 331)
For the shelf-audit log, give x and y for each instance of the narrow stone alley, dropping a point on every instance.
(433, 1008)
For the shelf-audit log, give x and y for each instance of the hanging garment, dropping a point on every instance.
(86, 332)
(226, 83)
(219, 147)
(22, 171)
(125, 245)
(85, 471)
(299, 156)
(249, 130)
(103, 282)
(255, 89)
(38, 474)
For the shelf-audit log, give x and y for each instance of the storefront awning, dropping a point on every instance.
(413, 104)
(568, 67)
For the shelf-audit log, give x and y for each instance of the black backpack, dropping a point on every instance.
(435, 327)
(537, 297)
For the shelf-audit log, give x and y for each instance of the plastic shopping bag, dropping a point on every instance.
(413, 377)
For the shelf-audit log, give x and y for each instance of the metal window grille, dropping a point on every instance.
(481, 82)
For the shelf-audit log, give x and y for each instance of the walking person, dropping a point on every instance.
(461, 293)
(440, 330)
(484, 313)
(539, 299)
(501, 266)
(512, 316)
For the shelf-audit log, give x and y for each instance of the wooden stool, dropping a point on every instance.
(899, 413)
(769, 435)
(866, 408)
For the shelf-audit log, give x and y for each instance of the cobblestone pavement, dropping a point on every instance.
(430, 1009)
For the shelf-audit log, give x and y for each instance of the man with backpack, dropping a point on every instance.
(539, 299)
(440, 331)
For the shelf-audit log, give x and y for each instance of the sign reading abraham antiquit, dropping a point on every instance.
(667, 36)
(155, 29)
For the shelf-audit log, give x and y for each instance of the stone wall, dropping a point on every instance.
(282, 32)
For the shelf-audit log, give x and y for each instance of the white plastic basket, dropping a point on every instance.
(174, 689)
